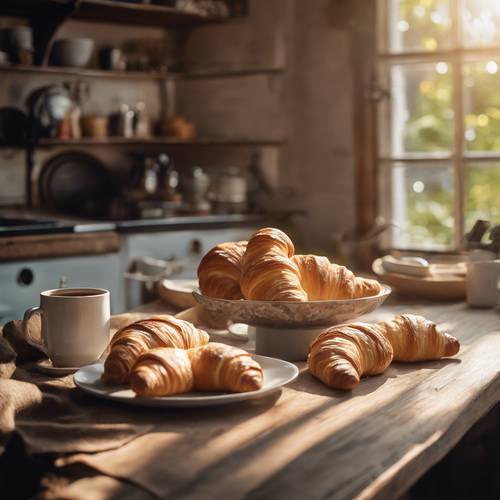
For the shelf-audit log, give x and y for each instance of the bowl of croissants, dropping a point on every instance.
(263, 282)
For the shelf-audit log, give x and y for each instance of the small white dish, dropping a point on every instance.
(45, 366)
(411, 266)
(277, 373)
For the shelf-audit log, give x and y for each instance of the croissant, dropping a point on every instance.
(323, 280)
(220, 367)
(220, 270)
(268, 272)
(131, 341)
(271, 271)
(341, 355)
(162, 371)
(414, 338)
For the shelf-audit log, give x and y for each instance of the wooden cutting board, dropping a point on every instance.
(442, 286)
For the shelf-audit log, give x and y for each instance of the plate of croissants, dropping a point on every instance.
(168, 362)
(263, 282)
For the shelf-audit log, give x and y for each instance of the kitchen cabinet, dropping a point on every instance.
(22, 281)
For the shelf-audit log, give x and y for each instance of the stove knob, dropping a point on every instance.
(25, 277)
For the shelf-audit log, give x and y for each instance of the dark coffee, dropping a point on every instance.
(76, 293)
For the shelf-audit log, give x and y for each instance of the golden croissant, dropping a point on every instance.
(271, 271)
(220, 367)
(212, 367)
(414, 338)
(342, 354)
(268, 271)
(133, 340)
(220, 270)
(161, 372)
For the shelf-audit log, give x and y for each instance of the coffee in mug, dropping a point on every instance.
(75, 325)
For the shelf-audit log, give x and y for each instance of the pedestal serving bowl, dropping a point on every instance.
(286, 329)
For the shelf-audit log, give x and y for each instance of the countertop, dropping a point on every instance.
(53, 224)
(309, 441)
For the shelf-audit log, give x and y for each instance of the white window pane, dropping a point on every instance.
(419, 25)
(482, 193)
(422, 114)
(422, 206)
(480, 22)
(482, 105)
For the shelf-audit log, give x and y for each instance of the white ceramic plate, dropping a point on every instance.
(277, 373)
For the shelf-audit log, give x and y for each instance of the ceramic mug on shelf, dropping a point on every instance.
(75, 325)
(482, 283)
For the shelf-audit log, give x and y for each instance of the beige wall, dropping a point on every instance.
(302, 94)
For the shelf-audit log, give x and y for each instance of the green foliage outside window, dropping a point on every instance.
(430, 129)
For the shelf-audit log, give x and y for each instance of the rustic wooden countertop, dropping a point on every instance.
(58, 245)
(374, 442)
(306, 441)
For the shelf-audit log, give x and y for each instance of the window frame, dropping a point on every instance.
(456, 56)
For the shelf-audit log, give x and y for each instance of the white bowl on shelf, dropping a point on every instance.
(72, 52)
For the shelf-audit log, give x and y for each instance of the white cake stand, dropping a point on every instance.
(286, 329)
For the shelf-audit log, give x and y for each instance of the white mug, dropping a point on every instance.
(75, 325)
(482, 283)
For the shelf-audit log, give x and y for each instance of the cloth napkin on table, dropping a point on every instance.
(50, 414)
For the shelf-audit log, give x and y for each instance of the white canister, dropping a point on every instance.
(482, 283)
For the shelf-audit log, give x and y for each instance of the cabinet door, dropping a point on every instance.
(21, 282)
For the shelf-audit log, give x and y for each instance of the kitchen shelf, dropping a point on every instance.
(108, 11)
(142, 14)
(153, 141)
(134, 75)
(86, 72)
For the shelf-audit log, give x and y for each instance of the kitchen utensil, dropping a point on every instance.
(277, 373)
(124, 122)
(94, 126)
(20, 38)
(48, 105)
(75, 325)
(445, 285)
(168, 180)
(178, 127)
(112, 58)
(72, 52)
(229, 193)
(77, 184)
(195, 185)
(286, 329)
(482, 283)
(144, 176)
(475, 235)
(142, 125)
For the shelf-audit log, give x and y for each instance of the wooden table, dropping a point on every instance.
(310, 442)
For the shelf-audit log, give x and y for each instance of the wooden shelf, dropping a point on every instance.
(142, 14)
(107, 11)
(87, 72)
(156, 141)
(135, 75)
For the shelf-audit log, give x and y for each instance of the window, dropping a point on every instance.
(439, 127)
